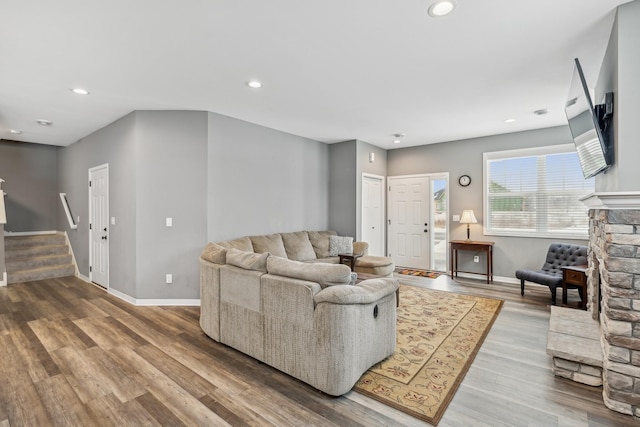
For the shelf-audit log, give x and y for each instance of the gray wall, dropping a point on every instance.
(343, 193)
(465, 157)
(261, 180)
(619, 74)
(115, 145)
(32, 202)
(171, 181)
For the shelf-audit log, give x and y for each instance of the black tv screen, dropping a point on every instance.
(585, 127)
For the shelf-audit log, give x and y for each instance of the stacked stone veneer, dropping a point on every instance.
(614, 260)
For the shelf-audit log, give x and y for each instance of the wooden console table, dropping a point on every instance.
(470, 245)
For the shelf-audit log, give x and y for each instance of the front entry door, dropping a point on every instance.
(408, 219)
(99, 225)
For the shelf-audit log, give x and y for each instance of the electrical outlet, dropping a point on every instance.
(169, 278)
(476, 258)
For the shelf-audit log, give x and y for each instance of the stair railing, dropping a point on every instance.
(67, 210)
(3, 212)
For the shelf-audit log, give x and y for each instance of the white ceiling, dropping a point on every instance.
(332, 70)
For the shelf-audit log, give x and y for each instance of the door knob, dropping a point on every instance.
(104, 237)
(426, 230)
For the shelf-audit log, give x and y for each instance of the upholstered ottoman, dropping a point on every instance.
(376, 265)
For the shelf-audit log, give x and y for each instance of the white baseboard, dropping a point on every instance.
(30, 233)
(154, 302)
(3, 282)
(480, 276)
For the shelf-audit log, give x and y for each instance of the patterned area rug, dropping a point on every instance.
(439, 334)
(421, 273)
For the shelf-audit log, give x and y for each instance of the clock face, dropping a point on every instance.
(464, 180)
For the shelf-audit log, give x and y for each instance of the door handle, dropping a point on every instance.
(105, 229)
(426, 230)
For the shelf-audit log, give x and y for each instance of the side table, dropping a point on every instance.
(576, 277)
(470, 245)
(350, 258)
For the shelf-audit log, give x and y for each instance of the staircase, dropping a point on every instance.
(37, 257)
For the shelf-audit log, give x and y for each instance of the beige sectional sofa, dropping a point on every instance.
(275, 298)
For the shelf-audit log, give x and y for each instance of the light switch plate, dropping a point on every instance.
(456, 218)
(113, 220)
(169, 222)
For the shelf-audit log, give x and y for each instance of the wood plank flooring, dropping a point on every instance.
(73, 355)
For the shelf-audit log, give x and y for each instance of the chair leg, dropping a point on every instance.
(553, 296)
(522, 287)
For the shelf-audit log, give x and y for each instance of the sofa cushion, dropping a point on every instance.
(271, 243)
(247, 260)
(242, 244)
(340, 245)
(214, 253)
(323, 274)
(320, 242)
(298, 246)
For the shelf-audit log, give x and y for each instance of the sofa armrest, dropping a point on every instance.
(360, 248)
(365, 292)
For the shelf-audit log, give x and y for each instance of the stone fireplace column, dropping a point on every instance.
(613, 281)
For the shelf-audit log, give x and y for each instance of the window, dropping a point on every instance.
(536, 193)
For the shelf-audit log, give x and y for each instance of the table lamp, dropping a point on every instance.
(468, 217)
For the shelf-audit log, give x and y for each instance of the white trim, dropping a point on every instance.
(30, 233)
(3, 282)
(92, 226)
(483, 277)
(67, 211)
(154, 302)
(612, 200)
(73, 256)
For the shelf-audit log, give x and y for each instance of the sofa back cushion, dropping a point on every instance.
(243, 244)
(214, 253)
(323, 274)
(247, 260)
(320, 242)
(298, 246)
(271, 243)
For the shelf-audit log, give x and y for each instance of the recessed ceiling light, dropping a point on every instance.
(42, 122)
(541, 112)
(15, 131)
(80, 91)
(441, 8)
(509, 120)
(398, 137)
(254, 84)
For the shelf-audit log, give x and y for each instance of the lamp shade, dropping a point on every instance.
(468, 217)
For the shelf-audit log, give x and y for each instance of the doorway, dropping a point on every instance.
(372, 223)
(417, 221)
(99, 225)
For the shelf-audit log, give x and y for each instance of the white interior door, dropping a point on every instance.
(372, 222)
(408, 215)
(99, 225)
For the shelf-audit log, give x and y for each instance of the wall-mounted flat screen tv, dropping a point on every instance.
(589, 125)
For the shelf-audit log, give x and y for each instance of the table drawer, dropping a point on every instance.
(575, 277)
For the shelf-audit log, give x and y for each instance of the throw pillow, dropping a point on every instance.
(247, 260)
(340, 245)
(214, 253)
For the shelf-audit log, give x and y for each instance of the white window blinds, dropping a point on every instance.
(536, 192)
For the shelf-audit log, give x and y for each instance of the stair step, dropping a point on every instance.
(34, 262)
(40, 273)
(17, 242)
(36, 251)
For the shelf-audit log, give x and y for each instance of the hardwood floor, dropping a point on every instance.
(73, 355)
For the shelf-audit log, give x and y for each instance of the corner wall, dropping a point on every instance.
(30, 172)
(263, 181)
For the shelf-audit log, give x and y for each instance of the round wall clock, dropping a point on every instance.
(464, 180)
